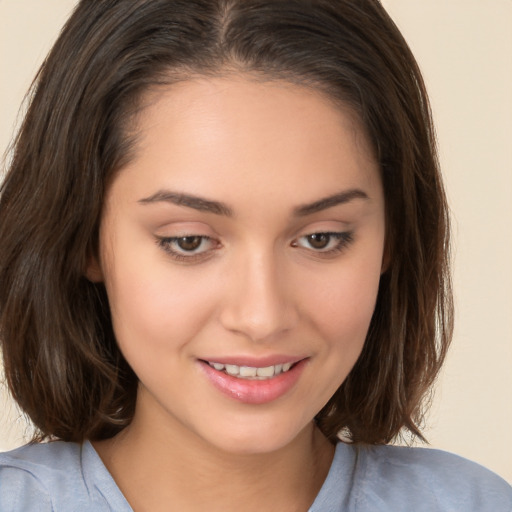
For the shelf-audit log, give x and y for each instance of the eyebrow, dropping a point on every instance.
(330, 201)
(218, 208)
(190, 201)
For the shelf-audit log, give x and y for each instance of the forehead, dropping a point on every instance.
(211, 134)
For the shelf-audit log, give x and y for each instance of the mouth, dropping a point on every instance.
(252, 372)
(258, 384)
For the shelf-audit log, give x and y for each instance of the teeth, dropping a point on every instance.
(232, 369)
(268, 371)
(249, 372)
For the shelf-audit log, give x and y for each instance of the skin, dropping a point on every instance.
(257, 287)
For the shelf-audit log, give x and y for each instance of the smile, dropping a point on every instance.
(254, 384)
(250, 372)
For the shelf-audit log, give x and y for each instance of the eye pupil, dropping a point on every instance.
(189, 243)
(319, 240)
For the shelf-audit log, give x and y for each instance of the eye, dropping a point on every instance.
(324, 243)
(319, 241)
(189, 243)
(187, 248)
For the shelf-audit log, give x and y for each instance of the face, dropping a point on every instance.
(241, 250)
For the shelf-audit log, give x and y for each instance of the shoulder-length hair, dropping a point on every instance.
(62, 363)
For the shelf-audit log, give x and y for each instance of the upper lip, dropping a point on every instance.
(254, 362)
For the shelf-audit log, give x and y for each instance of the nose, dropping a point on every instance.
(259, 300)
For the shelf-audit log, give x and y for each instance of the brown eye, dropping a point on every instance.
(190, 248)
(319, 240)
(325, 243)
(189, 243)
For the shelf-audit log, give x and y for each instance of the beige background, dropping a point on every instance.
(465, 50)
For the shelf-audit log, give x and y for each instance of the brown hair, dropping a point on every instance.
(61, 359)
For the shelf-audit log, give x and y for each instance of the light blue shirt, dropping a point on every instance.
(69, 477)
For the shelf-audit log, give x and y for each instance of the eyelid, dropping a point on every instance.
(166, 244)
(341, 239)
(344, 239)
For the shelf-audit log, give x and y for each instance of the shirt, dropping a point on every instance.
(70, 477)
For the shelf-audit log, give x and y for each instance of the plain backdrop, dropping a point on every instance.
(464, 48)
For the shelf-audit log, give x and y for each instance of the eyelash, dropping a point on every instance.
(343, 240)
(166, 243)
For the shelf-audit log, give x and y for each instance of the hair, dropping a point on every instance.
(62, 363)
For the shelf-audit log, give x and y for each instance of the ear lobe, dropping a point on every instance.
(93, 270)
(385, 265)
(386, 260)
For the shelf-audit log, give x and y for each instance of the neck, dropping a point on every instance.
(159, 469)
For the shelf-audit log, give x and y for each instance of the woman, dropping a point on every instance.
(225, 248)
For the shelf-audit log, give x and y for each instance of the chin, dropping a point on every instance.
(258, 438)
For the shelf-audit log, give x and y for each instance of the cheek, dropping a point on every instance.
(343, 322)
(343, 302)
(154, 304)
(340, 310)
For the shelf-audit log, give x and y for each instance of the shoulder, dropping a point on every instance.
(46, 476)
(31, 475)
(20, 488)
(426, 479)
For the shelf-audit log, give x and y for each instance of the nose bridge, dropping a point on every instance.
(259, 304)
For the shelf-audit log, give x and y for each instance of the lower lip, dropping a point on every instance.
(254, 391)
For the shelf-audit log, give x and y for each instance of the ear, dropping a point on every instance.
(386, 258)
(93, 270)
